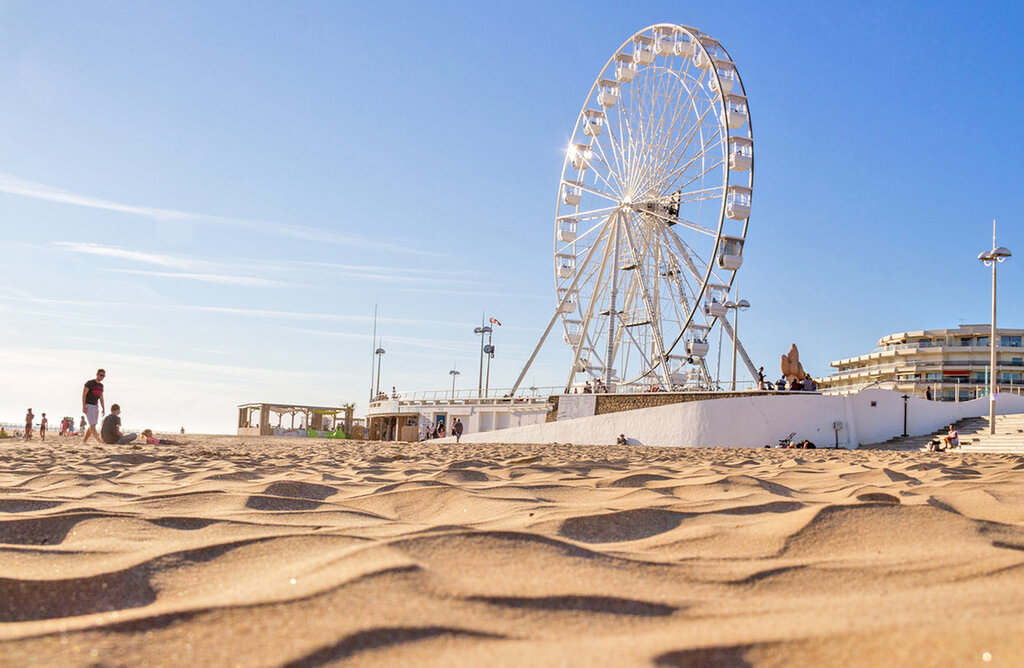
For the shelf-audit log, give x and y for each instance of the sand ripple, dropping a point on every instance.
(286, 552)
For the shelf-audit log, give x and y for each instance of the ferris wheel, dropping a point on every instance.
(653, 206)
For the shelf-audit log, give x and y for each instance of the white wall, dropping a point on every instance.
(757, 420)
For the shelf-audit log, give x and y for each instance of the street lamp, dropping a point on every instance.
(453, 373)
(741, 305)
(379, 352)
(992, 258)
(480, 382)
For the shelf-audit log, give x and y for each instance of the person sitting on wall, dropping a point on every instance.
(622, 440)
(952, 438)
(796, 385)
(781, 385)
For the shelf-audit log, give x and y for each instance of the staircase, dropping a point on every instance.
(974, 436)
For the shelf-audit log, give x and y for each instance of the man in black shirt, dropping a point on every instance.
(92, 402)
(111, 430)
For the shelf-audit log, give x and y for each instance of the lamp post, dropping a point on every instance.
(480, 381)
(905, 398)
(993, 258)
(379, 352)
(489, 351)
(453, 373)
(741, 305)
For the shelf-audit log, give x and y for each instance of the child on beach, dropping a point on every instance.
(152, 440)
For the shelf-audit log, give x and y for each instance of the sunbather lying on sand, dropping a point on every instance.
(152, 440)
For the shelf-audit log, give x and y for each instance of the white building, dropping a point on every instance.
(954, 363)
(407, 417)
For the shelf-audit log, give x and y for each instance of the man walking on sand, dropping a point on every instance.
(29, 417)
(43, 423)
(92, 402)
(111, 430)
(457, 429)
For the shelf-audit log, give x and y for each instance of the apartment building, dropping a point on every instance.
(954, 363)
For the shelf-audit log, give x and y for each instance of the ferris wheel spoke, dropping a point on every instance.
(612, 175)
(666, 148)
(590, 214)
(602, 194)
(684, 140)
(683, 144)
(681, 188)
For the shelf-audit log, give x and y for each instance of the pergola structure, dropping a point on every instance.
(267, 419)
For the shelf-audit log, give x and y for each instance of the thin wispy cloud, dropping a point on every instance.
(376, 274)
(14, 185)
(222, 279)
(180, 262)
(268, 314)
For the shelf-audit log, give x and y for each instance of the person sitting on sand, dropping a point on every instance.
(952, 438)
(110, 432)
(622, 440)
(152, 440)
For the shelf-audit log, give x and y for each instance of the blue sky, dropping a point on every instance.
(208, 199)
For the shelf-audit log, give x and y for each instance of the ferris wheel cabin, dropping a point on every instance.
(726, 75)
(737, 202)
(593, 122)
(741, 154)
(643, 49)
(572, 193)
(580, 156)
(625, 68)
(730, 253)
(567, 230)
(607, 93)
(565, 264)
(714, 300)
(735, 114)
(705, 58)
(697, 340)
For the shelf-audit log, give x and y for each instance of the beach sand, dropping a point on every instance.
(242, 551)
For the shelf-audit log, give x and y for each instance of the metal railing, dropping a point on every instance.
(942, 390)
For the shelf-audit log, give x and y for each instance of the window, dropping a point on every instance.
(933, 375)
(1011, 377)
(966, 341)
(978, 377)
(1010, 341)
(1017, 361)
(982, 341)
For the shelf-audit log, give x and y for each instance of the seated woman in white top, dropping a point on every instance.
(952, 439)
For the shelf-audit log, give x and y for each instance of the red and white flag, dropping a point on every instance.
(494, 321)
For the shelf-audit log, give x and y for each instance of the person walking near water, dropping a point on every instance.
(29, 417)
(92, 403)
